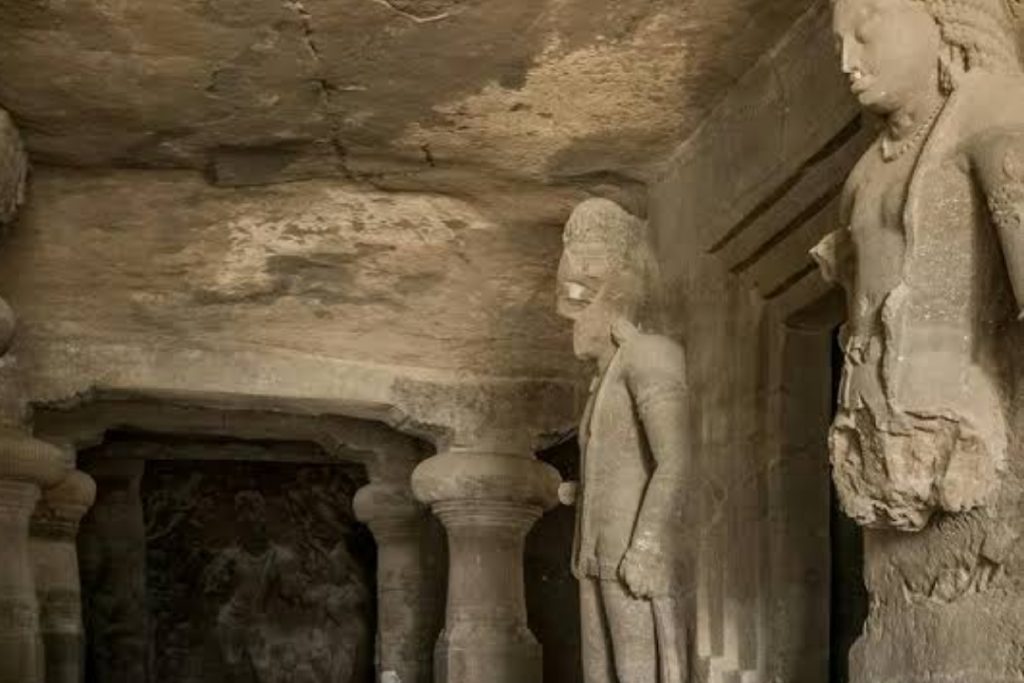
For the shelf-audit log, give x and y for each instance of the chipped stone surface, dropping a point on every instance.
(539, 89)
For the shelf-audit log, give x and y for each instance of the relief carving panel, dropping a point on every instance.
(257, 573)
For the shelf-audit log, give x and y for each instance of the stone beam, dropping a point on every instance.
(429, 404)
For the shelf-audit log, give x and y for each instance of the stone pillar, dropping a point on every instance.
(112, 552)
(55, 560)
(487, 502)
(409, 592)
(26, 465)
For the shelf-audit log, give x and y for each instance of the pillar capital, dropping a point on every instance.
(469, 474)
(487, 497)
(54, 534)
(63, 506)
(26, 460)
(386, 506)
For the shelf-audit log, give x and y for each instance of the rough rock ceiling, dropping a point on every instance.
(430, 94)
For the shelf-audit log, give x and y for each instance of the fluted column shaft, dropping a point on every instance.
(487, 502)
(55, 561)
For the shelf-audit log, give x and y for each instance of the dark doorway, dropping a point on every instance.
(849, 597)
(244, 558)
(552, 593)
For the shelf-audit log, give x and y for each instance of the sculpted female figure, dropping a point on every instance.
(930, 252)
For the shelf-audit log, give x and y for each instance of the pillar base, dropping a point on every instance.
(497, 657)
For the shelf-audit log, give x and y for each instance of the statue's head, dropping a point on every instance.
(604, 275)
(250, 514)
(893, 50)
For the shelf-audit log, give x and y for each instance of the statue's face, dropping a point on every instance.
(582, 286)
(889, 49)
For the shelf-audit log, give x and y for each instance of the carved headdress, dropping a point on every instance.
(605, 233)
(979, 33)
(608, 244)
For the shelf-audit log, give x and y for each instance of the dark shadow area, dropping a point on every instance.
(223, 560)
(552, 593)
(849, 596)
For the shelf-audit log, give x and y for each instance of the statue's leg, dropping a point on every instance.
(596, 644)
(634, 639)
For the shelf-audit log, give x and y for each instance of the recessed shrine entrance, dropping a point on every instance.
(250, 547)
(819, 555)
(222, 560)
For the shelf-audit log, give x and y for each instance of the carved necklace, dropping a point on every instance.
(894, 149)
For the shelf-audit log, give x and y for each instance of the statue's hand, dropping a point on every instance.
(568, 493)
(645, 572)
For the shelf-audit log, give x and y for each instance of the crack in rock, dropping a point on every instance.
(412, 17)
(324, 86)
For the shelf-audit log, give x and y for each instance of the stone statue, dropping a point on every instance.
(930, 252)
(254, 568)
(633, 439)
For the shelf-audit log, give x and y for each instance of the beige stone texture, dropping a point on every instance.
(13, 169)
(391, 89)
(756, 321)
(747, 196)
(316, 296)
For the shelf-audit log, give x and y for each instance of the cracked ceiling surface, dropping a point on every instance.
(408, 94)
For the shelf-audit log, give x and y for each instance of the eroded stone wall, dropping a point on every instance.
(319, 268)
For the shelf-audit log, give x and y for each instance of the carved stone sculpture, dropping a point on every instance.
(634, 452)
(930, 252)
(252, 576)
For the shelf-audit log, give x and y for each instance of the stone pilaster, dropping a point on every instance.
(55, 561)
(487, 502)
(112, 553)
(26, 465)
(409, 602)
